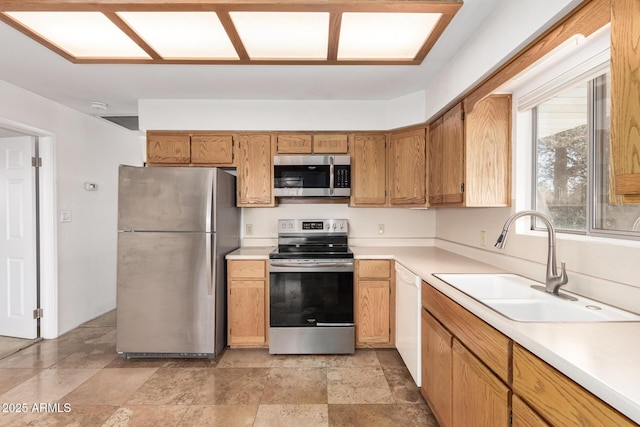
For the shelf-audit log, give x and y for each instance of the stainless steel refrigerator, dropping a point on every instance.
(175, 226)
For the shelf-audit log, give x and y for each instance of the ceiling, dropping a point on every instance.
(27, 64)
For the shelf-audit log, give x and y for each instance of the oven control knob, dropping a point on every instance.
(290, 226)
(341, 226)
(334, 225)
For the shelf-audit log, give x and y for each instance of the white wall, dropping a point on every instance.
(513, 24)
(198, 114)
(406, 227)
(86, 149)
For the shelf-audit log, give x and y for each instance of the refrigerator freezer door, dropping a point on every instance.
(165, 199)
(163, 299)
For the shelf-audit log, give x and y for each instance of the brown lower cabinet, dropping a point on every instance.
(374, 306)
(473, 375)
(247, 303)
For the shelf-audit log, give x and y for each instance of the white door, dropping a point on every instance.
(18, 290)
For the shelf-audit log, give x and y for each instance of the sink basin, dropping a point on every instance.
(513, 297)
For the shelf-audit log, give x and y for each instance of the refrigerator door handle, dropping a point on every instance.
(210, 263)
(209, 209)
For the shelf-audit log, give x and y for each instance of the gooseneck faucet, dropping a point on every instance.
(553, 280)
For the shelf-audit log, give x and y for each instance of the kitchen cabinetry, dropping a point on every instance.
(190, 148)
(470, 154)
(255, 171)
(560, 400)
(391, 174)
(479, 397)
(625, 99)
(312, 144)
(168, 149)
(369, 170)
(437, 356)
(247, 303)
(474, 375)
(374, 310)
(407, 168)
(446, 158)
(475, 357)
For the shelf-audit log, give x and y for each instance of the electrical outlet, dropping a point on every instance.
(248, 229)
(483, 238)
(380, 228)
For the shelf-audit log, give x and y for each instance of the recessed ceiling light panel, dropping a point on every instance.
(81, 34)
(182, 34)
(384, 35)
(283, 35)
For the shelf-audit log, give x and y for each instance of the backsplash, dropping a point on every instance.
(408, 227)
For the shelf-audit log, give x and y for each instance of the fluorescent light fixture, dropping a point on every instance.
(81, 34)
(182, 34)
(283, 35)
(384, 35)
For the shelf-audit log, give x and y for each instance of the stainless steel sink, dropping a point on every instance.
(513, 297)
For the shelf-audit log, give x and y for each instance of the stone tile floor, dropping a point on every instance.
(79, 380)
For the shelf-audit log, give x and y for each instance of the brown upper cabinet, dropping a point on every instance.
(190, 148)
(369, 170)
(407, 168)
(255, 171)
(625, 99)
(389, 170)
(470, 154)
(312, 144)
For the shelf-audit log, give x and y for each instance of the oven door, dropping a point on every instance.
(311, 294)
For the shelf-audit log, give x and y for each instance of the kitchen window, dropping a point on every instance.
(571, 177)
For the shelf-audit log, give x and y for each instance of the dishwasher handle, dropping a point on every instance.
(407, 277)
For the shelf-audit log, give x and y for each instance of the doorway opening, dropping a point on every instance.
(28, 279)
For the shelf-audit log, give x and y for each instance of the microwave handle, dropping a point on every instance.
(331, 180)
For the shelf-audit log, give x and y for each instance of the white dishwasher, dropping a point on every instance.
(408, 301)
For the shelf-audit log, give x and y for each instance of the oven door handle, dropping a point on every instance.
(310, 267)
(312, 264)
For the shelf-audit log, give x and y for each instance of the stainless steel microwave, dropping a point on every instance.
(312, 176)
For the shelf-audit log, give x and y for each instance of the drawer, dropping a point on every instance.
(247, 269)
(558, 398)
(374, 269)
(489, 345)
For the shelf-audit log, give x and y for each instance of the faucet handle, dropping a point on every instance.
(563, 273)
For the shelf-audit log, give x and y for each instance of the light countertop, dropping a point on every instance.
(601, 357)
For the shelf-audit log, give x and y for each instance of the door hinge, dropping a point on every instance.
(462, 115)
(462, 187)
(38, 313)
(36, 162)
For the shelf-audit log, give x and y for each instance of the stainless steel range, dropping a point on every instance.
(311, 288)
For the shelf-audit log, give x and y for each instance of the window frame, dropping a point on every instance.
(596, 111)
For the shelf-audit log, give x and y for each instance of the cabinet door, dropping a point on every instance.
(407, 168)
(435, 162)
(372, 314)
(255, 170)
(212, 149)
(330, 144)
(246, 312)
(369, 170)
(488, 152)
(479, 397)
(436, 368)
(452, 156)
(625, 102)
(168, 148)
(293, 144)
